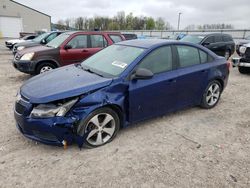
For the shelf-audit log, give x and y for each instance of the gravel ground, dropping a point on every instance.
(190, 148)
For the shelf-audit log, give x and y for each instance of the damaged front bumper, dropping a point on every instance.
(59, 131)
(52, 131)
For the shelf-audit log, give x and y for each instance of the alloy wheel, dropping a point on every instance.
(45, 69)
(100, 129)
(213, 94)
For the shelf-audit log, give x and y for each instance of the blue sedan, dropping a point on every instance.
(122, 84)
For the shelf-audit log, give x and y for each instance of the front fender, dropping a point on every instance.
(115, 95)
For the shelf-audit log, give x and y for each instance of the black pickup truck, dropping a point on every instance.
(243, 62)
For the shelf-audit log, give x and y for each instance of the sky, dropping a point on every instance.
(197, 12)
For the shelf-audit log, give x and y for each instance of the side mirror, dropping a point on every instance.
(43, 41)
(67, 47)
(206, 43)
(142, 74)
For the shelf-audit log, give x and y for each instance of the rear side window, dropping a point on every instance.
(188, 56)
(115, 38)
(227, 38)
(203, 56)
(79, 41)
(98, 41)
(218, 38)
(159, 60)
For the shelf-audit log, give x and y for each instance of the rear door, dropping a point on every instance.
(97, 43)
(79, 50)
(192, 74)
(155, 96)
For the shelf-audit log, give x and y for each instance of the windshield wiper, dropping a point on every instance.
(91, 71)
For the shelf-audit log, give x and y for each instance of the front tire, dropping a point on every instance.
(44, 67)
(99, 128)
(211, 95)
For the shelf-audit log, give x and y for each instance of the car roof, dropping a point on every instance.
(148, 43)
(91, 32)
(209, 34)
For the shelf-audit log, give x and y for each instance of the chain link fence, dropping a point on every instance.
(235, 33)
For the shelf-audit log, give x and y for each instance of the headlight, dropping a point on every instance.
(243, 49)
(52, 110)
(18, 96)
(20, 47)
(28, 56)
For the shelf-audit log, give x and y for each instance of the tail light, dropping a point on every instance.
(228, 65)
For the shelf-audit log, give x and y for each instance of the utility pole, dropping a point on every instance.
(179, 20)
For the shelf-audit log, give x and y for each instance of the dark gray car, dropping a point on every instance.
(39, 40)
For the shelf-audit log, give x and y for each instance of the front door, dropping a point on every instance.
(77, 52)
(155, 96)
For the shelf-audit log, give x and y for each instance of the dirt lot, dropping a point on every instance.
(191, 148)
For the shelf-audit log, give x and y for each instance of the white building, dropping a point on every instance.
(16, 18)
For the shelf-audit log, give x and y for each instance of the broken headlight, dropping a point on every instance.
(52, 110)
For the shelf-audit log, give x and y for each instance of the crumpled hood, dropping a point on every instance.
(61, 83)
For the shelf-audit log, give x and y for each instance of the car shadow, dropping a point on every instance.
(21, 78)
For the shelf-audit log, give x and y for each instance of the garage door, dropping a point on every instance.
(10, 26)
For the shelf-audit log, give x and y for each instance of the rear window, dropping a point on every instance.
(115, 38)
(227, 38)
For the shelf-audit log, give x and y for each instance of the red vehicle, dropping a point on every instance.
(67, 48)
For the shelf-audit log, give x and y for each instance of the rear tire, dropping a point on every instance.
(44, 67)
(227, 54)
(211, 95)
(244, 70)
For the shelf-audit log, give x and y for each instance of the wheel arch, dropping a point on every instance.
(47, 61)
(118, 110)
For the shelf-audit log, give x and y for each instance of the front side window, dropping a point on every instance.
(40, 37)
(192, 38)
(79, 41)
(115, 38)
(160, 60)
(188, 56)
(218, 38)
(203, 56)
(209, 40)
(98, 41)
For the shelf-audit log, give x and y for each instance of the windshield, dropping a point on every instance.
(192, 38)
(112, 61)
(56, 42)
(40, 37)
